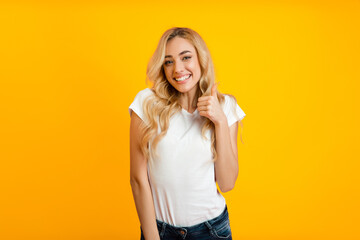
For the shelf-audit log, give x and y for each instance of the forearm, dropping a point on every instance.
(145, 209)
(226, 165)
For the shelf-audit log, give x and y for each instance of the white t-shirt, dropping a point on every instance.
(182, 178)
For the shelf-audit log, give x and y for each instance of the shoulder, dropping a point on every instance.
(232, 109)
(138, 102)
(144, 93)
(229, 101)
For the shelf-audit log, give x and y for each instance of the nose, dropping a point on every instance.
(179, 67)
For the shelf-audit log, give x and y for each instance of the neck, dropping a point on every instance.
(187, 100)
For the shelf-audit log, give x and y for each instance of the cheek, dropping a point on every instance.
(167, 74)
(195, 67)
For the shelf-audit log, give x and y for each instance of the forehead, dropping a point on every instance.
(177, 45)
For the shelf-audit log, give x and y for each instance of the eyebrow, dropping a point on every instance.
(183, 52)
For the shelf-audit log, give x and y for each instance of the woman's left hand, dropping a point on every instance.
(209, 106)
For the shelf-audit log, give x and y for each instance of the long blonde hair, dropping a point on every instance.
(163, 104)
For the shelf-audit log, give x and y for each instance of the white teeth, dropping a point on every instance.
(182, 78)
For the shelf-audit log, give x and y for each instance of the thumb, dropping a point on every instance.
(213, 89)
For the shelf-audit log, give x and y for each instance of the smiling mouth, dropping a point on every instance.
(182, 78)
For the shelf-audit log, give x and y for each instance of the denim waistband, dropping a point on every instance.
(192, 228)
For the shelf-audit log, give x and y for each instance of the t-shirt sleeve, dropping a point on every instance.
(232, 110)
(137, 104)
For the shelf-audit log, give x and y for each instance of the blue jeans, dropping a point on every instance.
(216, 228)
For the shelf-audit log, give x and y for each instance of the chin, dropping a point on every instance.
(185, 89)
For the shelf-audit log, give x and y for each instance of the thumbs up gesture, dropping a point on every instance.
(209, 106)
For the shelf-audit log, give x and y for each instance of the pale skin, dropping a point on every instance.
(139, 182)
(226, 166)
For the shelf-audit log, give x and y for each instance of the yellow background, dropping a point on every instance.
(69, 71)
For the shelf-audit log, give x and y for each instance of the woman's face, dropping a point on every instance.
(181, 65)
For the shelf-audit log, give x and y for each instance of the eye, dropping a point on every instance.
(167, 62)
(187, 57)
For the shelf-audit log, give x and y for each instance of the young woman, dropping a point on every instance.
(183, 139)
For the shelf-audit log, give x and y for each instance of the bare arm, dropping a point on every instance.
(140, 184)
(226, 166)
